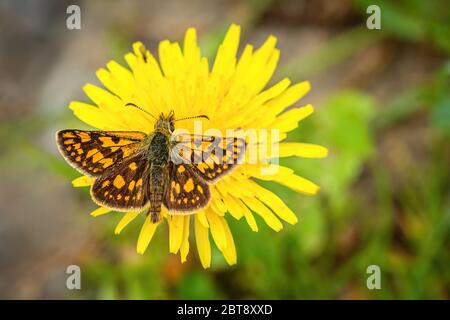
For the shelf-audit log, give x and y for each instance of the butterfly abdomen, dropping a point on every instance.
(158, 161)
(156, 190)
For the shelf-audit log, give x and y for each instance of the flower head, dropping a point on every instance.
(233, 94)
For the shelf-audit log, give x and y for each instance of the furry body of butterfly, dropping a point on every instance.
(158, 157)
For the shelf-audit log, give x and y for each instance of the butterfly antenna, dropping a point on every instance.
(193, 117)
(137, 107)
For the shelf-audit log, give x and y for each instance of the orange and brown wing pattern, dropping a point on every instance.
(92, 152)
(214, 157)
(185, 191)
(123, 187)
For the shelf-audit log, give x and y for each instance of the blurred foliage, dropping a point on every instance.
(342, 47)
(415, 20)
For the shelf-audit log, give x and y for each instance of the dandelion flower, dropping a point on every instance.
(233, 94)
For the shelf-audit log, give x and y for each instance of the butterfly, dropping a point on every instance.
(134, 171)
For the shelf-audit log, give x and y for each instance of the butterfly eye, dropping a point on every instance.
(171, 127)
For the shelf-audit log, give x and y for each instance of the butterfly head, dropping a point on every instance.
(166, 123)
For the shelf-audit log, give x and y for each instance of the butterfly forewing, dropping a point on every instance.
(213, 157)
(93, 152)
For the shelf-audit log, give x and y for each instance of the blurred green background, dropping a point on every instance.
(382, 107)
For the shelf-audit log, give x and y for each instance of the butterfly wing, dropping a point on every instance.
(212, 157)
(185, 191)
(123, 187)
(93, 152)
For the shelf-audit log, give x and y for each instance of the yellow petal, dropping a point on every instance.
(242, 68)
(298, 184)
(216, 228)
(95, 117)
(146, 234)
(274, 91)
(262, 66)
(258, 207)
(201, 216)
(151, 71)
(184, 249)
(275, 106)
(233, 207)
(190, 49)
(139, 49)
(83, 181)
(170, 58)
(261, 171)
(305, 150)
(227, 50)
(100, 211)
(217, 204)
(229, 252)
(289, 119)
(105, 78)
(123, 80)
(202, 241)
(176, 224)
(247, 214)
(251, 220)
(126, 219)
(275, 203)
(251, 117)
(233, 187)
(267, 71)
(103, 99)
(264, 52)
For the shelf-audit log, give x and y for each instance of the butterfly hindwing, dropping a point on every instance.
(185, 191)
(93, 152)
(123, 187)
